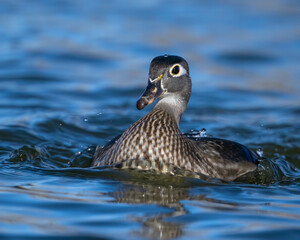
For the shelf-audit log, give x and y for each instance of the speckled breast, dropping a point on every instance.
(153, 142)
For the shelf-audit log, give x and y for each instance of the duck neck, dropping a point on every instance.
(173, 104)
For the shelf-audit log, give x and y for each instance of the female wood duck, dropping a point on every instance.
(156, 142)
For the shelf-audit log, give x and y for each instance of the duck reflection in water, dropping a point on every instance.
(165, 191)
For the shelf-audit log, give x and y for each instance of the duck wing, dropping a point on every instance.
(228, 150)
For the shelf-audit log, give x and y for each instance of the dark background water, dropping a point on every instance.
(70, 74)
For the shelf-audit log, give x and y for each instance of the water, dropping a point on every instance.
(71, 72)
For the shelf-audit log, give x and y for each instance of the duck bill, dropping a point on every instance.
(153, 91)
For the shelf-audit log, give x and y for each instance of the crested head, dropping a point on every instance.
(170, 82)
(160, 64)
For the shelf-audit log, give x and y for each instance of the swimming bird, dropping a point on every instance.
(156, 142)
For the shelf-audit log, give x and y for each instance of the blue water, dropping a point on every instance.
(70, 75)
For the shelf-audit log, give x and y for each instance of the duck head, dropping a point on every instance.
(170, 82)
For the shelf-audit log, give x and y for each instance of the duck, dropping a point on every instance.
(155, 142)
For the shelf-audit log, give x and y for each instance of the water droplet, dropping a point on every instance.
(260, 152)
(85, 119)
(78, 153)
(203, 132)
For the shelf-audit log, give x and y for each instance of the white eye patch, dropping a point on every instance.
(177, 70)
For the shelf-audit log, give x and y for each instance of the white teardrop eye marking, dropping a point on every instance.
(177, 70)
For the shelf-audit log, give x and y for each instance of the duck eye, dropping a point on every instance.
(175, 70)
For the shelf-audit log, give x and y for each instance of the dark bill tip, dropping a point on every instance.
(143, 102)
(153, 91)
